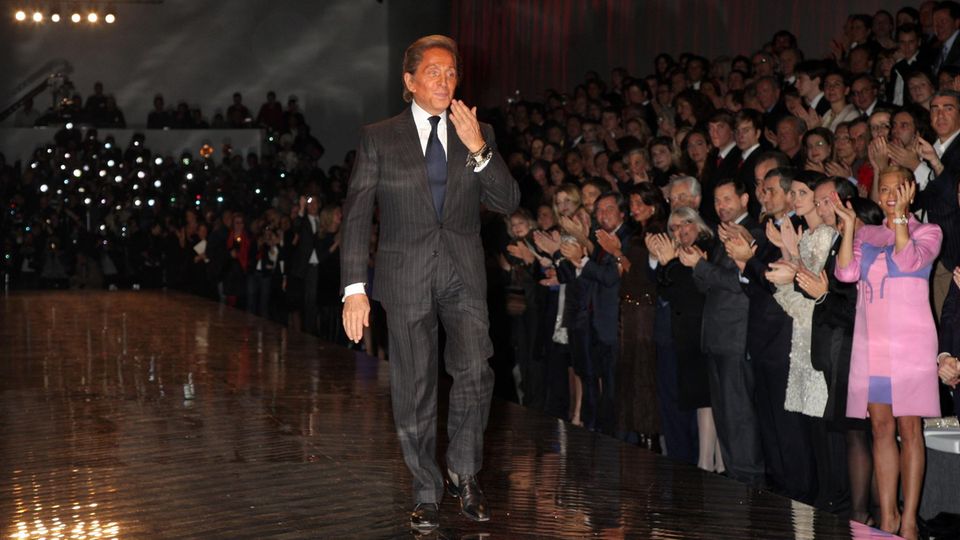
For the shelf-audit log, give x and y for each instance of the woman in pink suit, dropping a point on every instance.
(893, 368)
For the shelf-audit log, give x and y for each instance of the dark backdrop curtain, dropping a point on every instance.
(532, 45)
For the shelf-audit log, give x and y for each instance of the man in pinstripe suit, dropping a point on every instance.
(429, 181)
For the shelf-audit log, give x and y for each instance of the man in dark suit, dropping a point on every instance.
(724, 342)
(866, 95)
(845, 469)
(939, 200)
(749, 134)
(810, 76)
(784, 435)
(911, 60)
(429, 169)
(946, 25)
(722, 162)
(602, 269)
(304, 274)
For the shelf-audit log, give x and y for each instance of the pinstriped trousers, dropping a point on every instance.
(414, 345)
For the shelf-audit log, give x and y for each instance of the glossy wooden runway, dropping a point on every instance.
(150, 415)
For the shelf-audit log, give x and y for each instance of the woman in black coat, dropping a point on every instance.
(686, 228)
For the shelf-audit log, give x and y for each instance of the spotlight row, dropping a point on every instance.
(91, 17)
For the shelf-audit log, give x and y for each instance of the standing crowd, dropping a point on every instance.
(751, 263)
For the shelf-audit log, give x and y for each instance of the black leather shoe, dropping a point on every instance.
(425, 517)
(473, 503)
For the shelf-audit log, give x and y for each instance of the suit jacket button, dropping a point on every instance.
(435, 253)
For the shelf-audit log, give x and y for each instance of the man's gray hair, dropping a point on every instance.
(692, 184)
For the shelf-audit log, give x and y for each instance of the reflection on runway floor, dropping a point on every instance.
(152, 415)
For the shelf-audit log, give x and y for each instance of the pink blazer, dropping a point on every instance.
(894, 318)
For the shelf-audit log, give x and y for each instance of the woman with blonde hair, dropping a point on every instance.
(893, 365)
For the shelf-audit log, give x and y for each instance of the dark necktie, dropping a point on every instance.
(436, 166)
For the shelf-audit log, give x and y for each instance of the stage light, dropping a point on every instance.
(109, 18)
(55, 17)
(157, 184)
(76, 17)
(92, 17)
(37, 16)
(44, 188)
(20, 15)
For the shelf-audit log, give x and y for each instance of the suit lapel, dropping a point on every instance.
(456, 158)
(409, 141)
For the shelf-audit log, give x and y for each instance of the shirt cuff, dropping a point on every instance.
(922, 175)
(353, 288)
(483, 164)
(653, 262)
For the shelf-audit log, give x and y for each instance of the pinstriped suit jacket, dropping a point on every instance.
(390, 170)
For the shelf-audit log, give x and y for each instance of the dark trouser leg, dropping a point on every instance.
(605, 360)
(310, 281)
(784, 435)
(833, 480)
(467, 350)
(679, 427)
(413, 393)
(731, 393)
(556, 361)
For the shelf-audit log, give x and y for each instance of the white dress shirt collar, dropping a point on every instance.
(726, 149)
(949, 43)
(422, 120)
(816, 101)
(941, 147)
(748, 151)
